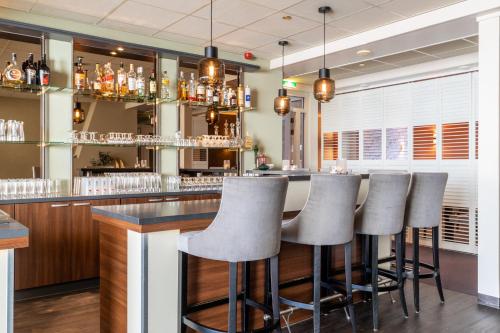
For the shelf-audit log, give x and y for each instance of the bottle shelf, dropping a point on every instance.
(116, 145)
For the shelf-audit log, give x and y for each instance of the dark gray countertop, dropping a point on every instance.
(294, 175)
(152, 213)
(69, 197)
(10, 228)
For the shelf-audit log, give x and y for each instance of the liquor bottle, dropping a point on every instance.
(209, 95)
(182, 87)
(132, 81)
(141, 84)
(225, 95)
(234, 100)
(241, 95)
(97, 83)
(192, 89)
(12, 76)
(79, 75)
(30, 71)
(165, 86)
(87, 81)
(201, 92)
(216, 97)
(152, 85)
(108, 82)
(121, 80)
(44, 72)
(248, 97)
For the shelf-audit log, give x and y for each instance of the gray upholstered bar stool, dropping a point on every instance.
(326, 220)
(382, 213)
(247, 228)
(423, 210)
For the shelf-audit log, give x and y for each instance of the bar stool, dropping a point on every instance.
(326, 220)
(423, 210)
(382, 213)
(247, 228)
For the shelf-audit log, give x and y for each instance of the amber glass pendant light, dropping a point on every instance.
(324, 86)
(212, 115)
(282, 102)
(210, 68)
(78, 113)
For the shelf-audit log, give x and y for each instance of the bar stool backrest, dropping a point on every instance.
(425, 200)
(328, 216)
(248, 224)
(382, 213)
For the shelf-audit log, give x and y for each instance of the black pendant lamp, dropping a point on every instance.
(324, 86)
(210, 68)
(282, 102)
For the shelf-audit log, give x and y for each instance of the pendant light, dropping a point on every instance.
(210, 68)
(212, 115)
(282, 102)
(324, 86)
(78, 113)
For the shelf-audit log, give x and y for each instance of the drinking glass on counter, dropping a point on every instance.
(118, 183)
(24, 188)
(11, 130)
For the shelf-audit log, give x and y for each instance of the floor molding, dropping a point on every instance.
(487, 300)
(57, 289)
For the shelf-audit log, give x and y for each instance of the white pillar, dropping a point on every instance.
(489, 161)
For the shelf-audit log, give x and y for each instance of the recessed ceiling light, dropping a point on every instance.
(363, 53)
(113, 53)
(287, 17)
(361, 65)
(121, 49)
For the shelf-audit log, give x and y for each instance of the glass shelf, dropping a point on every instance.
(117, 145)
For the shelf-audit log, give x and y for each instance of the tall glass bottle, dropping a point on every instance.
(192, 89)
(30, 72)
(97, 83)
(165, 86)
(152, 85)
(132, 81)
(201, 92)
(141, 83)
(44, 72)
(79, 75)
(121, 78)
(108, 80)
(181, 87)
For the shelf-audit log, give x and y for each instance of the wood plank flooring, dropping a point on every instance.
(79, 312)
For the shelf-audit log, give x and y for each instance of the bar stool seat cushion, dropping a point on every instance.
(328, 216)
(248, 224)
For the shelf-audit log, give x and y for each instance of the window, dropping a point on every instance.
(455, 141)
(331, 146)
(372, 144)
(350, 145)
(397, 143)
(455, 224)
(424, 142)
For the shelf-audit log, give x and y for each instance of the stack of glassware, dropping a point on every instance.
(24, 188)
(203, 183)
(11, 130)
(118, 183)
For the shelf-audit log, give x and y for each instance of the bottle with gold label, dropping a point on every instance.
(97, 83)
(121, 81)
(241, 95)
(108, 81)
(79, 75)
(182, 89)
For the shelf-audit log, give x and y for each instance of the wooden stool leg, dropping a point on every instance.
(374, 267)
(416, 270)
(400, 270)
(183, 264)
(233, 286)
(275, 292)
(435, 257)
(348, 283)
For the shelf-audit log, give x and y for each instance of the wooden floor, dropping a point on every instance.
(79, 312)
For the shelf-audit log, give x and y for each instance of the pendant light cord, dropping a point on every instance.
(282, 65)
(324, 39)
(211, 20)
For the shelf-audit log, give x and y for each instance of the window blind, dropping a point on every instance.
(397, 143)
(372, 144)
(350, 145)
(424, 142)
(331, 146)
(455, 141)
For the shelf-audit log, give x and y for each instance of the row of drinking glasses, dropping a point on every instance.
(29, 188)
(219, 141)
(118, 183)
(11, 130)
(203, 183)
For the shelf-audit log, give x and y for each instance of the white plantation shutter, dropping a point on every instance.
(330, 146)
(200, 158)
(429, 125)
(372, 144)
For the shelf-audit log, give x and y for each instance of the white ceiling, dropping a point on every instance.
(412, 57)
(240, 25)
